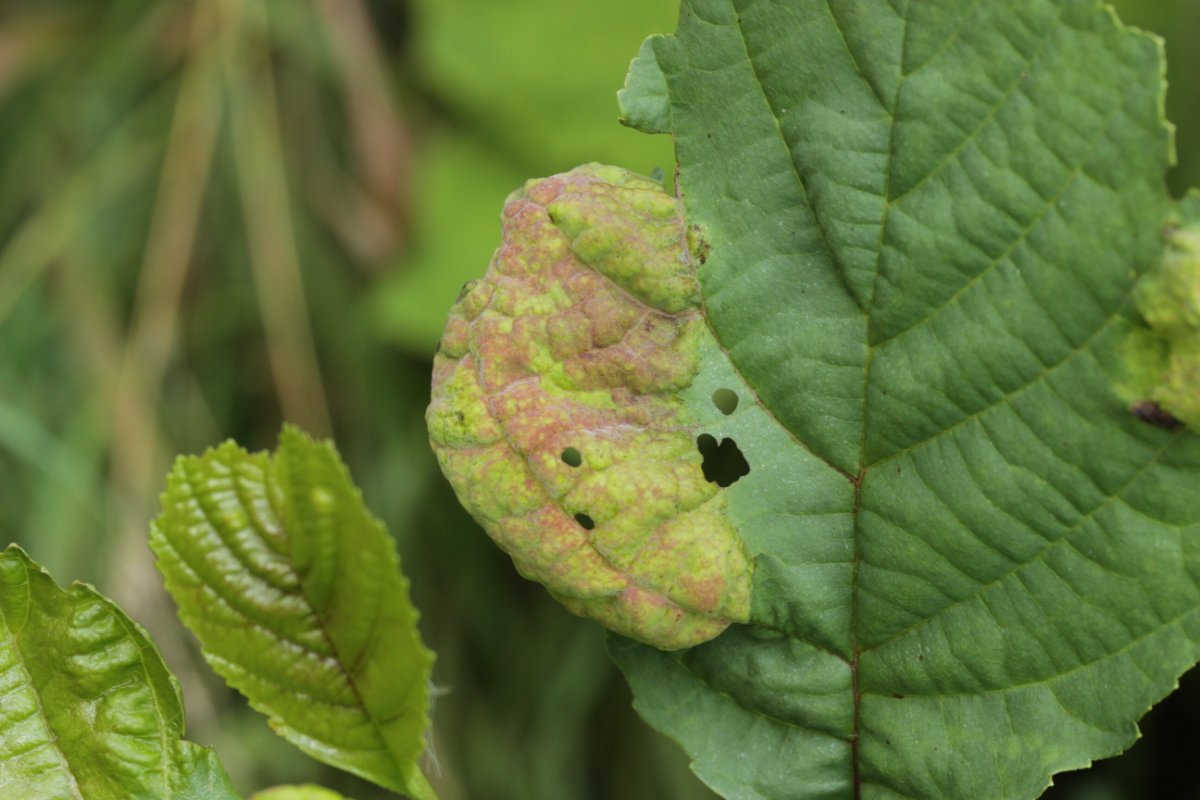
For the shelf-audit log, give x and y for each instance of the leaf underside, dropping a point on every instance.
(295, 593)
(974, 567)
(88, 709)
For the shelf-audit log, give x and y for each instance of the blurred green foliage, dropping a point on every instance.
(219, 214)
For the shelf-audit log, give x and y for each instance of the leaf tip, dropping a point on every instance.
(643, 102)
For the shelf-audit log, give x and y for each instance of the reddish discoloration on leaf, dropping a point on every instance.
(579, 336)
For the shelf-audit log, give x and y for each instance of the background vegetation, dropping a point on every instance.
(219, 214)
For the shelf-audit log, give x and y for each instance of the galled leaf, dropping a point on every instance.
(557, 414)
(89, 708)
(295, 593)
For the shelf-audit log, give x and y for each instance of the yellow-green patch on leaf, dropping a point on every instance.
(1168, 362)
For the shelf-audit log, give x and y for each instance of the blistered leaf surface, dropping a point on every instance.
(89, 709)
(1169, 299)
(295, 593)
(974, 566)
(558, 417)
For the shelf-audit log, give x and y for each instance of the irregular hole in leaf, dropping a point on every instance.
(572, 457)
(723, 463)
(726, 401)
(585, 521)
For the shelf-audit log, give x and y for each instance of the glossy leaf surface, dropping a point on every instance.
(89, 708)
(295, 593)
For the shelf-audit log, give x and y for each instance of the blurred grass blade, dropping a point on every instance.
(295, 593)
(90, 709)
(138, 453)
(24, 437)
(118, 165)
(374, 206)
(171, 239)
(266, 206)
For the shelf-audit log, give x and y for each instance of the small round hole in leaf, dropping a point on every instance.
(723, 463)
(572, 457)
(585, 522)
(726, 401)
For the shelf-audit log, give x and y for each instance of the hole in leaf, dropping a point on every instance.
(586, 522)
(726, 401)
(724, 462)
(572, 457)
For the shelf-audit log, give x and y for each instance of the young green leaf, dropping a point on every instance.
(295, 593)
(645, 104)
(89, 708)
(306, 792)
(974, 567)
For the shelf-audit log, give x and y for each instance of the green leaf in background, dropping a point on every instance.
(975, 567)
(295, 593)
(90, 709)
(306, 792)
(536, 100)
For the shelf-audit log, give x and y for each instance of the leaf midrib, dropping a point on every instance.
(869, 308)
(323, 626)
(266, 474)
(856, 516)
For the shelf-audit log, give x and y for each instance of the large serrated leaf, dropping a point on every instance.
(295, 592)
(89, 709)
(974, 567)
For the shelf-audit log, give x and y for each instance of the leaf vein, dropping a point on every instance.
(1050, 679)
(1040, 555)
(830, 251)
(1084, 347)
(1048, 34)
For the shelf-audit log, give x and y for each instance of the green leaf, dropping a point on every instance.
(542, 92)
(306, 792)
(974, 566)
(645, 102)
(295, 593)
(90, 709)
